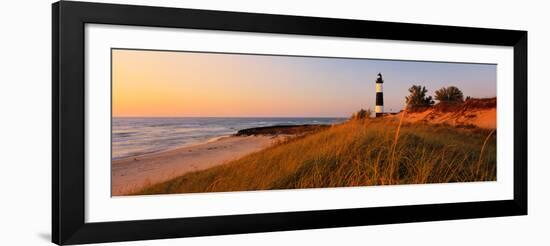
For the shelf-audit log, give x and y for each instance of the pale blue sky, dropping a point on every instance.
(351, 82)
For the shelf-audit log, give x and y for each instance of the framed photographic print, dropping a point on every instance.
(175, 122)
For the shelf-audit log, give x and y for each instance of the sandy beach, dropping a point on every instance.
(133, 173)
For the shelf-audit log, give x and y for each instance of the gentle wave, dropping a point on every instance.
(137, 136)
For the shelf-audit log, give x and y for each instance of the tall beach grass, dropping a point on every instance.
(356, 153)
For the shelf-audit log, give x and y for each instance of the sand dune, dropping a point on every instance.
(482, 118)
(481, 113)
(133, 173)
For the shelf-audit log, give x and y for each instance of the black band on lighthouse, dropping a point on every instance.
(379, 99)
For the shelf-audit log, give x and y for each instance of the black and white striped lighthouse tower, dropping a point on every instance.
(379, 109)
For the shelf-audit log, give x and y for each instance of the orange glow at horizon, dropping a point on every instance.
(157, 84)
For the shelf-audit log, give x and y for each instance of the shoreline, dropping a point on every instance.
(130, 174)
(209, 140)
(253, 131)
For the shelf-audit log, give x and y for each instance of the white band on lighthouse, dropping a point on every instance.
(379, 87)
(379, 109)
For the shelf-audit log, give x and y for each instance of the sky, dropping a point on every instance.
(192, 84)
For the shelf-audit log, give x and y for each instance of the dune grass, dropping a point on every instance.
(356, 153)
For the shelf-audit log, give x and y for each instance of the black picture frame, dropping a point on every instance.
(68, 117)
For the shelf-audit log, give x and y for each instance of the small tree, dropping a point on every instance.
(449, 94)
(361, 114)
(417, 98)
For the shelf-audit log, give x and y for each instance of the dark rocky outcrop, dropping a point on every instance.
(281, 129)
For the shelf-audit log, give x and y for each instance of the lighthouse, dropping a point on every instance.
(379, 109)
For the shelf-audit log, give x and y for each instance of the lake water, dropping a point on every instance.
(135, 136)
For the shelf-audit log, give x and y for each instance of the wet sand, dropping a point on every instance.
(134, 173)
